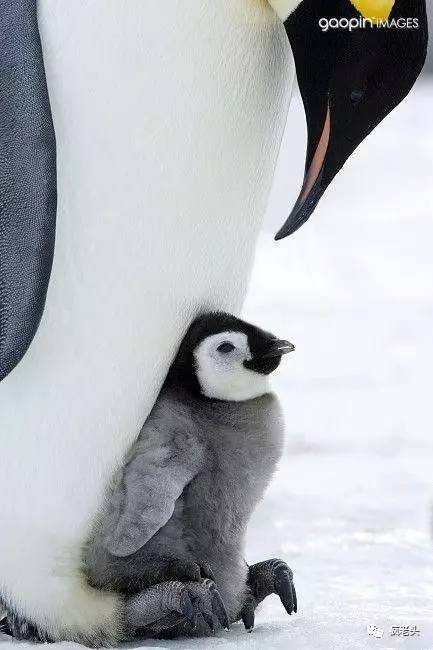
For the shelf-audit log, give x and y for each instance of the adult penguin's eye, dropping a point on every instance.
(356, 96)
(226, 347)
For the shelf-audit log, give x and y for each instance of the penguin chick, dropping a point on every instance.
(178, 510)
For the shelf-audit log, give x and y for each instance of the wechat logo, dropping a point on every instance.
(373, 630)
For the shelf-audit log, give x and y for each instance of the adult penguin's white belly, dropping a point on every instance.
(168, 117)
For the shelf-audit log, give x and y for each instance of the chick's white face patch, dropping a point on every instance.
(221, 372)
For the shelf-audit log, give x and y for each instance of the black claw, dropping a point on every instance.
(247, 615)
(206, 572)
(4, 627)
(188, 609)
(219, 610)
(196, 575)
(193, 572)
(183, 571)
(273, 577)
(203, 609)
(208, 618)
(283, 587)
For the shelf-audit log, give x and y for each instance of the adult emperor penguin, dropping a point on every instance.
(168, 118)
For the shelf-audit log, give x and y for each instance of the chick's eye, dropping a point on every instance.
(226, 347)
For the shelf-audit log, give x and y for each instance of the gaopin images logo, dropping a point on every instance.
(371, 14)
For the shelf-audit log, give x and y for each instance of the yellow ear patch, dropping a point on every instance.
(374, 9)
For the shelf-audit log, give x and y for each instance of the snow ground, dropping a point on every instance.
(350, 508)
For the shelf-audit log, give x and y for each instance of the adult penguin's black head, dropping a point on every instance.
(352, 71)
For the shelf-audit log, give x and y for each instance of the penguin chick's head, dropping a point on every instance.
(225, 358)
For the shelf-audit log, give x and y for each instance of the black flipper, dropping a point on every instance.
(27, 181)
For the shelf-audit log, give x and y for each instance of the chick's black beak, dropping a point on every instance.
(349, 79)
(267, 359)
(277, 349)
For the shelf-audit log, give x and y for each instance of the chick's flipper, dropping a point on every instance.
(266, 578)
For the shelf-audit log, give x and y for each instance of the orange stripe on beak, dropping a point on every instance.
(374, 9)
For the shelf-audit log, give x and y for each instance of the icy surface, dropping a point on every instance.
(350, 508)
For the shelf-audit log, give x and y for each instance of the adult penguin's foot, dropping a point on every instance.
(20, 629)
(175, 609)
(208, 605)
(266, 578)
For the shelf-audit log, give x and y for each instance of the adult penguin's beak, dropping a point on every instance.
(350, 78)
